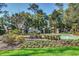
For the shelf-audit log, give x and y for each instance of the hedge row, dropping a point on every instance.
(47, 43)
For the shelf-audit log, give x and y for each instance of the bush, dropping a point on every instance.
(11, 39)
(52, 37)
(76, 33)
(19, 38)
(39, 44)
(8, 38)
(16, 31)
(2, 31)
(49, 37)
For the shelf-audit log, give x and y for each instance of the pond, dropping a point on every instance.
(69, 37)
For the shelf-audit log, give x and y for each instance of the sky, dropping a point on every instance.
(19, 7)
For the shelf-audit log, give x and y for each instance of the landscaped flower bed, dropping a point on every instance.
(36, 41)
(47, 43)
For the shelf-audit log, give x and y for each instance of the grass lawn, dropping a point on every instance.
(62, 51)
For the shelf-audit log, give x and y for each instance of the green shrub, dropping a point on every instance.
(16, 31)
(13, 38)
(52, 37)
(8, 38)
(2, 31)
(38, 44)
